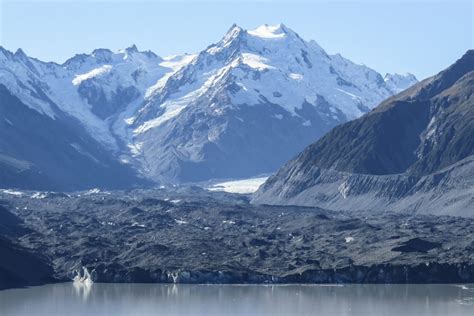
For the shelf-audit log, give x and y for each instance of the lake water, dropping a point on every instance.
(68, 299)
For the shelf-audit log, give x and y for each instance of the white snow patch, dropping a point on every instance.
(92, 191)
(256, 61)
(344, 189)
(311, 98)
(296, 76)
(136, 148)
(38, 195)
(353, 96)
(12, 192)
(78, 79)
(172, 109)
(245, 186)
(268, 31)
(130, 120)
(431, 129)
(176, 62)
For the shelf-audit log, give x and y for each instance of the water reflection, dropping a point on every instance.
(146, 299)
(82, 289)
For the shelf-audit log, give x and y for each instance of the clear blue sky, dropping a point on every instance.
(421, 36)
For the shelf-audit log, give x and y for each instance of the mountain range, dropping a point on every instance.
(239, 108)
(412, 153)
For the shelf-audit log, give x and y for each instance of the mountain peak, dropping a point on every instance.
(132, 49)
(102, 55)
(5, 53)
(462, 65)
(236, 36)
(469, 55)
(234, 26)
(101, 52)
(231, 39)
(20, 53)
(449, 76)
(234, 32)
(266, 31)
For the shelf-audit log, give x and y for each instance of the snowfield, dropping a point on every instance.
(245, 186)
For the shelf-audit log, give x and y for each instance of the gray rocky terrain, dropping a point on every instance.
(189, 235)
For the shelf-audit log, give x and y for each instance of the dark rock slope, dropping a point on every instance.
(191, 236)
(414, 153)
(19, 266)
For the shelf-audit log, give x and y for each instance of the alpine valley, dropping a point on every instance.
(240, 108)
(108, 168)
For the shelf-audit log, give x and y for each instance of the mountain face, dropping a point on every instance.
(241, 107)
(414, 152)
(38, 152)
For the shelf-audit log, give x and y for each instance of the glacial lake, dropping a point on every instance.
(70, 299)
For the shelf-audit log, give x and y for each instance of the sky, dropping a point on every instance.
(417, 36)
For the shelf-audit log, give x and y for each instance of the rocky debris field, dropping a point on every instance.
(189, 235)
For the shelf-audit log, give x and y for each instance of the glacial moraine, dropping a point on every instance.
(190, 235)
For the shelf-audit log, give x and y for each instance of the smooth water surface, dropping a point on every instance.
(152, 299)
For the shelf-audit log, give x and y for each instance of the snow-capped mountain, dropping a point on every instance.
(240, 107)
(249, 102)
(91, 88)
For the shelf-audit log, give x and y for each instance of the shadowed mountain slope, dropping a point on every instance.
(413, 152)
